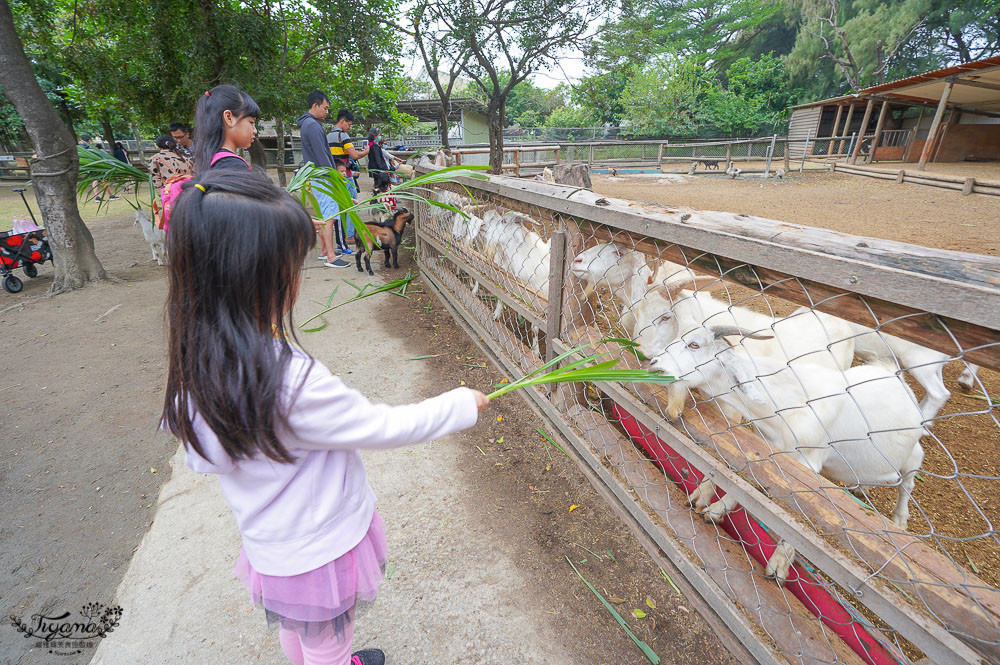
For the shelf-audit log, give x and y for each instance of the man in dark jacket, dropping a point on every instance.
(315, 149)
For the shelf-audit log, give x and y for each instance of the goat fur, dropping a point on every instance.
(388, 234)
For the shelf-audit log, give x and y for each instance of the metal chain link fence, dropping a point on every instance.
(825, 471)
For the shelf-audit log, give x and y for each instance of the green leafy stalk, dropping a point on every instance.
(330, 182)
(97, 166)
(649, 653)
(586, 369)
(362, 293)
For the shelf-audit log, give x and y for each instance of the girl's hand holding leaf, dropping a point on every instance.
(482, 401)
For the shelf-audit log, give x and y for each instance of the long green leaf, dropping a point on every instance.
(362, 293)
(97, 166)
(646, 650)
(582, 371)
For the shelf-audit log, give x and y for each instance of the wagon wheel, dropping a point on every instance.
(12, 284)
(31, 270)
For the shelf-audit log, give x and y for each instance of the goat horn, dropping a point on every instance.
(726, 331)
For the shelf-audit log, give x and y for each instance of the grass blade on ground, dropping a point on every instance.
(649, 653)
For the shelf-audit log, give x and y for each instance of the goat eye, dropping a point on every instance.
(694, 345)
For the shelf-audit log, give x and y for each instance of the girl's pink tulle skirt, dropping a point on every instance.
(315, 602)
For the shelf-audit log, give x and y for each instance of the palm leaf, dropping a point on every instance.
(97, 166)
(586, 369)
(330, 182)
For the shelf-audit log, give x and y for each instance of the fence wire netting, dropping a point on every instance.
(874, 456)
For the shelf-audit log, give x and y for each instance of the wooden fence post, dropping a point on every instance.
(517, 162)
(878, 132)
(805, 149)
(659, 157)
(553, 316)
(861, 132)
(788, 144)
(935, 123)
(770, 155)
(967, 187)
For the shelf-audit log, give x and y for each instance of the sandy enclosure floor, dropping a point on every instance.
(852, 204)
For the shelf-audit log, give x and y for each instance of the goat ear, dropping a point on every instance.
(741, 370)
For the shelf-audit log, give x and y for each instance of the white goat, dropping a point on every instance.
(923, 364)
(859, 426)
(675, 299)
(518, 250)
(157, 238)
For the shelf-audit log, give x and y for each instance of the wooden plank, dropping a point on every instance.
(955, 285)
(946, 335)
(878, 131)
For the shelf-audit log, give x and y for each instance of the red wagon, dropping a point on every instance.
(22, 250)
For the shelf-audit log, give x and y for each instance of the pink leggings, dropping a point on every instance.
(329, 649)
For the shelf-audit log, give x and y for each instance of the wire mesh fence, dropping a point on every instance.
(824, 470)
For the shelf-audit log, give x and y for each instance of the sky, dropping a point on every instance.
(569, 66)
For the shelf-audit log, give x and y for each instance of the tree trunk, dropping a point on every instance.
(108, 131)
(279, 129)
(258, 159)
(69, 119)
(443, 122)
(54, 170)
(494, 115)
(138, 146)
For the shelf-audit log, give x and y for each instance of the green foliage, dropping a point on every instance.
(150, 61)
(755, 98)
(569, 116)
(668, 97)
(600, 95)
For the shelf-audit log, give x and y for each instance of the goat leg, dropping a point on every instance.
(780, 562)
(368, 263)
(395, 256)
(358, 251)
(386, 256)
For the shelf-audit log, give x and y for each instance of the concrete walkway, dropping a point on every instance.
(451, 597)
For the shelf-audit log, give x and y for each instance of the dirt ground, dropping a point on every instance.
(852, 204)
(85, 375)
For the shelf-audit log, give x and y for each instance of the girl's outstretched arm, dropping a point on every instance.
(326, 414)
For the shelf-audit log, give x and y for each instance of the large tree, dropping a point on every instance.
(442, 63)
(508, 41)
(54, 167)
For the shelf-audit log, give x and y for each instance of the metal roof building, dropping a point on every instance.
(959, 118)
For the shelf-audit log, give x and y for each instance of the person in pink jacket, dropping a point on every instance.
(278, 429)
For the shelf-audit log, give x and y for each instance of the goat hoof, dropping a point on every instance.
(371, 273)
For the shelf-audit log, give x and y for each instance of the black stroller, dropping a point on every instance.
(22, 249)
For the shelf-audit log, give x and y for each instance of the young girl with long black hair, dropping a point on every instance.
(278, 429)
(225, 120)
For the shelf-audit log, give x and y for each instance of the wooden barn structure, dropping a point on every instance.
(947, 115)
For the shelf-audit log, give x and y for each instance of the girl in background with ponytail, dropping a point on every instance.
(225, 120)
